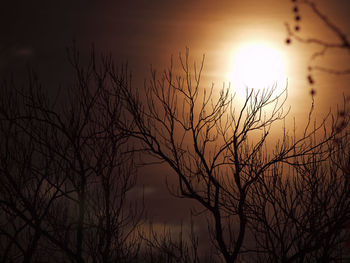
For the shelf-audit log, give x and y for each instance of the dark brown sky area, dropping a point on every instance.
(149, 32)
(142, 32)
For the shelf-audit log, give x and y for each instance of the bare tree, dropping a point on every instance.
(66, 171)
(301, 216)
(220, 153)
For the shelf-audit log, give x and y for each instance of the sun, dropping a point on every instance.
(257, 66)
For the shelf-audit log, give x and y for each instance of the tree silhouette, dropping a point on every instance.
(66, 171)
(339, 41)
(301, 217)
(269, 193)
(225, 159)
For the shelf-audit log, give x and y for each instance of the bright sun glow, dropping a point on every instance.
(257, 66)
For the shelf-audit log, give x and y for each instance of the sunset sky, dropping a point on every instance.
(148, 32)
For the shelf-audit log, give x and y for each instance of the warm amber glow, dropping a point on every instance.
(257, 66)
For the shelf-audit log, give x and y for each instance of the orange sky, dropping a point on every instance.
(148, 32)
